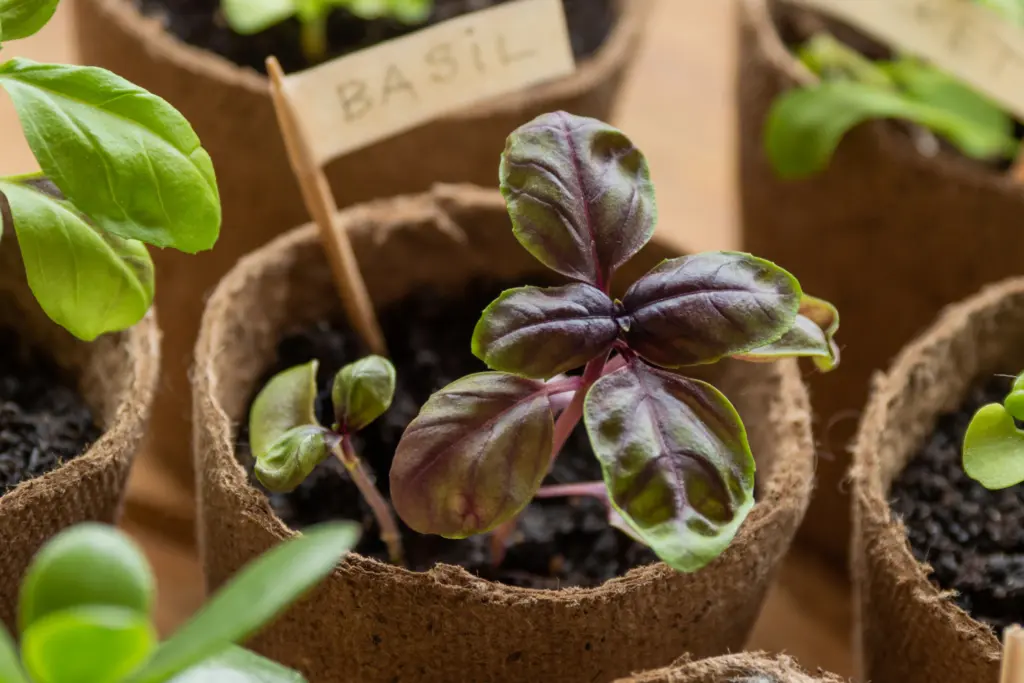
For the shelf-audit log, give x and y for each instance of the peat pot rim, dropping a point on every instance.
(140, 344)
(590, 73)
(879, 532)
(785, 491)
(756, 15)
(782, 666)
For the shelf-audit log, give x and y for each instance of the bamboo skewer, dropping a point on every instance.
(1013, 656)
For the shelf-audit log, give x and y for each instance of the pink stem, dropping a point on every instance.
(389, 532)
(592, 489)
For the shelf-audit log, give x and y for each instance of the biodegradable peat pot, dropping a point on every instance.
(231, 110)
(746, 667)
(909, 630)
(886, 234)
(116, 376)
(374, 622)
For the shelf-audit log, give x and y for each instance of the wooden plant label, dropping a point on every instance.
(373, 94)
(969, 41)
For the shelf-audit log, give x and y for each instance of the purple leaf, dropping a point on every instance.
(474, 456)
(675, 459)
(812, 335)
(701, 308)
(579, 195)
(540, 333)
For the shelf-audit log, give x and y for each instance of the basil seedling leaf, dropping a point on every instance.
(238, 665)
(287, 401)
(87, 644)
(290, 459)
(88, 564)
(474, 456)
(676, 461)
(994, 448)
(812, 335)
(247, 17)
(362, 392)
(126, 158)
(542, 332)
(579, 194)
(23, 18)
(10, 664)
(257, 594)
(410, 11)
(701, 308)
(87, 282)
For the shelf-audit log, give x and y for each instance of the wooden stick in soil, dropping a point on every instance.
(320, 202)
(1013, 656)
(389, 532)
(1017, 170)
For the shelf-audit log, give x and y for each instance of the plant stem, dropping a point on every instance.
(381, 510)
(313, 36)
(589, 489)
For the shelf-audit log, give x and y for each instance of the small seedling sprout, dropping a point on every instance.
(993, 449)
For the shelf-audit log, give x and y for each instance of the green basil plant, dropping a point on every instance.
(84, 612)
(678, 471)
(121, 168)
(805, 125)
(247, 17)
(993, 449)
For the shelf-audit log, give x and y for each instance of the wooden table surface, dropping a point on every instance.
(678, 108)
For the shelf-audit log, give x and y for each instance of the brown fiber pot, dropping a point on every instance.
(374, 622)
(745, 667)
(886, 234)
(910, 631)
(230, 109)
(117, 375)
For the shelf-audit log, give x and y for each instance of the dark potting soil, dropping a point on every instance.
(43, 421)
(559, 542)
(200, 23)
(972, 537)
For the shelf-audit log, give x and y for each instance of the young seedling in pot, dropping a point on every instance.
(85, 607)
(248, 17)
(288, 441)
(673, 451)
(993, 449)
(121, 168)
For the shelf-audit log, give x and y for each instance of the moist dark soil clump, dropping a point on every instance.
(972, 537)
(43, 421)
(559, 543)
(199, 23)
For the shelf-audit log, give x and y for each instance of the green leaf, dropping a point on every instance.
(474, 456)
(87, 644)
(579, 194)
(362, 392)
(285, 402)
(87, 564)
(290, 459)
(542, 332)
(237, 665)
(805, 126)
(259, 592)
(1011, 10)
(1014, 401)
(23, 18)
(248, 17)
(411, 11)
(830, 59)
(10, 665)
(993, 451)
(87, 282)
(124, 157)
(812, 336)
(701, 308)
(676, 461)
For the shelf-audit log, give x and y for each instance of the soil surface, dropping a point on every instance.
(43, 422)
(972, 537)
(559, 542)
(199, 23)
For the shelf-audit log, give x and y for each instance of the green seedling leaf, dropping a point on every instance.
(542, 332)
(121, 155)
(701, 308)
(287, 401)
(87, 644)
(237, 665)
(10, 664)
(290, 459)
(474, 456)
(362, 392)
(88, 564)
(408, 11)
(258, 593)
(993, 451)
(248, 17)
(831, 59)
(87, 282)
(579, 194)
(23, 18)
(676, 461)
(812, 335)
(1014, 401)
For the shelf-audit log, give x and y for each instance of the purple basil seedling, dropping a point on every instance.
(678, 471)
(288, 441)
